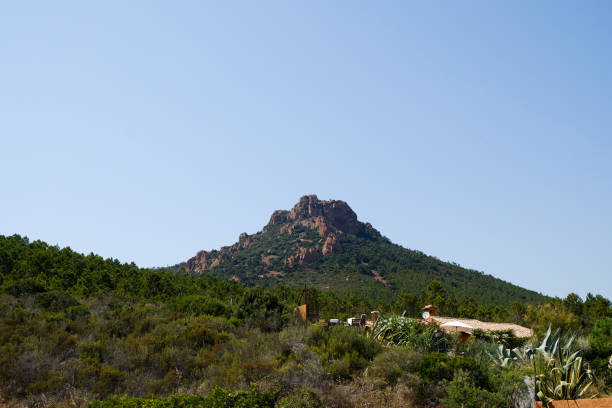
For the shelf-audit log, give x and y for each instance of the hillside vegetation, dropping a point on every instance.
(322, 244)
(78, 328)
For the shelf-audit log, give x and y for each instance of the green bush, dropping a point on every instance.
(600, 337)
(200, 305)
(462, 392)
(77, 311)
(504, 337)
(91, 351)
(438, 367)
(302, 399)
(262, 309)
(343, 349)
(55, 301)
(393, 362)
(24, 286)
(201, 336)
(218, 398)
(50, 380)
(110, 380)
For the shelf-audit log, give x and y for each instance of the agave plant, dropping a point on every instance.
(505, 356)
(563, 374)
(553, 343)
(403, 331)
(567, 380)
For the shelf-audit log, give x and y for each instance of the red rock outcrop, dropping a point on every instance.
(331, 245)
(204, 260)
(333, 213)
(200, 262)
(304, 256)
(278, 217)
(330, 219)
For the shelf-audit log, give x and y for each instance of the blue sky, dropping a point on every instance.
(478, 132)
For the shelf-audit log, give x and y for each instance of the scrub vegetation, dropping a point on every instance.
(80, 330)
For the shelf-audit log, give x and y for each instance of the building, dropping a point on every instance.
(518, 331)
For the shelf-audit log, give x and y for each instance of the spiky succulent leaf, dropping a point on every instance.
(564, 375)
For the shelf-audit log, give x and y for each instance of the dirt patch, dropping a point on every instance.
(275, 273)
(267, 259)
(379, 278)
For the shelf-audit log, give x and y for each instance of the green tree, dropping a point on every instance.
(539, 317)
(574, 304)
(600, 336)
(407, 302)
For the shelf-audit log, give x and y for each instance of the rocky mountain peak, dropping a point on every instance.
(335, 214)
(329, 219)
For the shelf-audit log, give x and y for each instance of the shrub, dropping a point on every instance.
(600, 337)
(504, 337)
(393, 362)
(55, 301)
(77, 311)
(91, 351)
(200, 305)
(24, 286)
(48, 381)
(262, 309)
(201, 336)
(462, 392)
(540, 317)
(343, 349)
(109, 381)
(218, 398)
(302, 399)
(438, 367)
(316, 335)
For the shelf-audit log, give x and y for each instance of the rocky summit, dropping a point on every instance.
(330, 219)
(322, 243)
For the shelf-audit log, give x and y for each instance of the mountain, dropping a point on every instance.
(323, 244)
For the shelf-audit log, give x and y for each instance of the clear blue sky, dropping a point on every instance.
(479, 132)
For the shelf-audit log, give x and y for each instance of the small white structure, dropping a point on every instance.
(458, 326)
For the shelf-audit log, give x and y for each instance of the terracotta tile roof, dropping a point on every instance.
(519, 331)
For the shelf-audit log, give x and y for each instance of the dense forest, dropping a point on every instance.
(75, 329)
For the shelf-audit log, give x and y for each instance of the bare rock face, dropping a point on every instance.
(278, 217)
(326, 217)
(331, 245)
(334, 213)
(304, 256)
(308, 206)
(204, 260)
(244, 241)
(200, 262)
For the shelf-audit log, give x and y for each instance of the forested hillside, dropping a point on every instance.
(321, 243)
